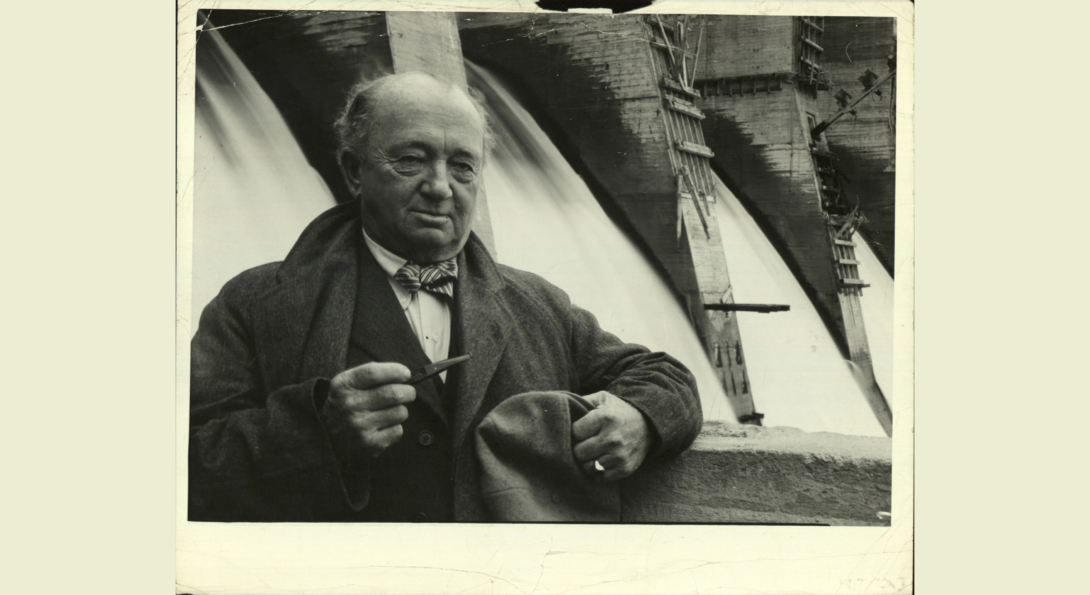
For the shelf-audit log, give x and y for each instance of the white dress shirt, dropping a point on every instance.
(428, 314)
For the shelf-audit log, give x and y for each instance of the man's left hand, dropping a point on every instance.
(614, 434)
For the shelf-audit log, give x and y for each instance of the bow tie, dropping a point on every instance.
(436, 278)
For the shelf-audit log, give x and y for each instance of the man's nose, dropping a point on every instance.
(436, 185)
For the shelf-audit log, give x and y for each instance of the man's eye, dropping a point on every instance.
(408, 164)
(464, 167)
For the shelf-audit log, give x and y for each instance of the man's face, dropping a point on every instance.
(419, 174)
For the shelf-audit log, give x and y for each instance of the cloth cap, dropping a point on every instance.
(528, 470)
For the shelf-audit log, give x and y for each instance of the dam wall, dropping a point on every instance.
(748, 474)
(601, 85)
(865, 141)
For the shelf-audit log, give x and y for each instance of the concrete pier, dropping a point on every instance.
(865, 142)
(757, 116)
(761, 85)
(596, 85)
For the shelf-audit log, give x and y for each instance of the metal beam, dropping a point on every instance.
(762, 308)
(816, 132)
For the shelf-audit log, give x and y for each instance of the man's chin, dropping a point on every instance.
(434, 246)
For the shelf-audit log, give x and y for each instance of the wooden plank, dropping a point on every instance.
(855, 282)
(683, 178)
(845, 242)
(762, 308)
(694, 149)
(673, 85)
(846, 261)
(810, 23)
(813, 45)
(664, 48)
(696, 59)
(669, 46)
(822, 127)
(683, 107)
(682, 42)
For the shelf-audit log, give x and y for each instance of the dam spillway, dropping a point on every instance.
(620, 146)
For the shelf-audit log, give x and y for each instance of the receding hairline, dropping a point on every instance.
(367, 99)
(402, 83)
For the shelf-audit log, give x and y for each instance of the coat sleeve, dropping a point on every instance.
(656, 384)
(258, 455)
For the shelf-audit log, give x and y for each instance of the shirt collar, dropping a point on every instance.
(389, 261)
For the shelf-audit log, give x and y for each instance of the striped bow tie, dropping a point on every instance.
(437, 278)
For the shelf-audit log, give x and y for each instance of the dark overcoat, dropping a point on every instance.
(263, 445)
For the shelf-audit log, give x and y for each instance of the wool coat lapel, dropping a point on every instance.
(302, 325)
(383, 331)
(482, 319)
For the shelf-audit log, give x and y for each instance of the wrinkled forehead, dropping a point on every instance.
(418, 99)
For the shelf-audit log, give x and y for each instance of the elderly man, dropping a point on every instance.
(300, 409)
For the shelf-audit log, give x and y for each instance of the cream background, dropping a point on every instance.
(89, 346)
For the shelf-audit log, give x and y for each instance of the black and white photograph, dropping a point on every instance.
(468, 271)
(544, 297)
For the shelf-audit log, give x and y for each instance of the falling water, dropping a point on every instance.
(877, 304)
(546, 221)
(798, 375)
(254, 190)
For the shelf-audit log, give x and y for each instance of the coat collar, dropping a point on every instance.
(302, 326)
(381, 329)
(483, 318)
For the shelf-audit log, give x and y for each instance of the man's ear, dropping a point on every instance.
(350, 169)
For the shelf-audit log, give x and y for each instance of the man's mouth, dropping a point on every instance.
(432, 218)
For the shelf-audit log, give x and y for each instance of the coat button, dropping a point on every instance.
(425, 438)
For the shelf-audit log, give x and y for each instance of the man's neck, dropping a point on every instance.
(389, 261)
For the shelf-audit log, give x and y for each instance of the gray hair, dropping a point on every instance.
(354, 125)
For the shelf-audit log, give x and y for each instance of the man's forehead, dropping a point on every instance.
(422, 92)
(461, 136)
(439, 110)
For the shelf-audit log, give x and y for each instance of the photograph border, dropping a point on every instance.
(396, 558)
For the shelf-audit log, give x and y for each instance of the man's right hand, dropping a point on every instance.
(371, 400)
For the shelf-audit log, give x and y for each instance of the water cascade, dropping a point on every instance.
(877, 304)
(546, 221)
(253, 189)
(799, 377)
(255, 192)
